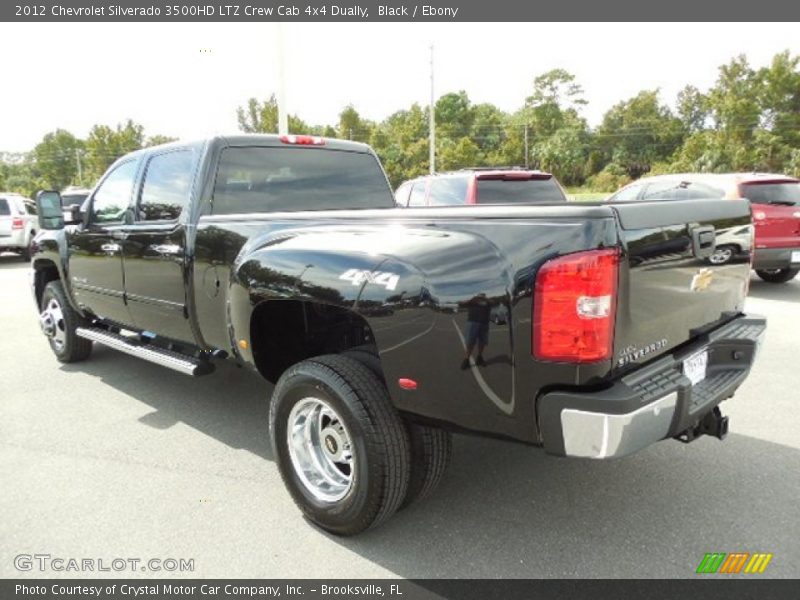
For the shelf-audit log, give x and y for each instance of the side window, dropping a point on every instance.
(696, 191)
(448, 191)
(4, 210)
(665, 190)
(165, 190)
(627, 194)
(402, 193)
(111, 199)
(417, 197)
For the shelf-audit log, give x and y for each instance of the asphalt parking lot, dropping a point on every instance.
(116, 457)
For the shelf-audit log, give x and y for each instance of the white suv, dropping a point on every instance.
(17, 223)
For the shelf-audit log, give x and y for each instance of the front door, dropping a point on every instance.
(155, 247)
(95, 248)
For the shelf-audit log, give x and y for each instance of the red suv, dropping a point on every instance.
(776, 213)
(495, 185)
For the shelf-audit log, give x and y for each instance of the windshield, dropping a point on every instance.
(784, 192)
(518, 191)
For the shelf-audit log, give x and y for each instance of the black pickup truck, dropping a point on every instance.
(288, 255)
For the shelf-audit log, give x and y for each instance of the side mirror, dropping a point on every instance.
(49, 210)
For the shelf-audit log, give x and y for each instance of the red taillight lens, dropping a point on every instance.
(17, 223)
(303, 140)
(574, 304)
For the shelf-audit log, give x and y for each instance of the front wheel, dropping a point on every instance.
(722, 255)
(59, 321)
(341, 447)
(777, 275)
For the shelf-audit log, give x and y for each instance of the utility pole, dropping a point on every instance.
(283, 117)
(80, 170)
(526, 146)
(432, 125)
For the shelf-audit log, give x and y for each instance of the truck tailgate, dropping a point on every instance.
(670, 292)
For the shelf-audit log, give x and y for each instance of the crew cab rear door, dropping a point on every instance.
(669, 290)
(776, 211)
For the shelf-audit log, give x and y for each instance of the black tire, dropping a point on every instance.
(367, 356)
(378, 441)
(431, 449)
(72, 348)
(777, 275)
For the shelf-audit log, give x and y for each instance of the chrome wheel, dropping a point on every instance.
(51, 320)
(721, 256)
(320, 449)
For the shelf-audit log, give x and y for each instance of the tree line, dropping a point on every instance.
(749, 120)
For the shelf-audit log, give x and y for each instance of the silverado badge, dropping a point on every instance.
(701, 280)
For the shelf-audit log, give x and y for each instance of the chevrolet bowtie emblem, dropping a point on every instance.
(701, 280)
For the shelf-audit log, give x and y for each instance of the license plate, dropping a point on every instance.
(795, 256)
(694, 367)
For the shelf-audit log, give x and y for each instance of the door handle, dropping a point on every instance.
(170, 249)
(110, 248)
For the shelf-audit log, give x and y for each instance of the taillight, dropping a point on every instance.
(303, 140)
(17, 223)
(574, 305)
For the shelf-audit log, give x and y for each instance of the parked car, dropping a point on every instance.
(73, 199)
(776, 214)
(288, 256)
(17, 224)
(495, 185)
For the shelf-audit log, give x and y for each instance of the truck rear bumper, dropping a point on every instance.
(777, 258)
(652, 403)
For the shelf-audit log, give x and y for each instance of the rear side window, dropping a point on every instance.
(166, 186)
(518, 191)
(680, 190)
(627, 194)
(30, 208)
(448, 191)
(785, 193)
(4, 209)
(256, 180)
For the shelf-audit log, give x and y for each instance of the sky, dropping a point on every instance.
(186, 79)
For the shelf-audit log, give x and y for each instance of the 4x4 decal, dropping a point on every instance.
(359, 276)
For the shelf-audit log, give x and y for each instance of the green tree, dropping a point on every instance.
(157, 140)
(780, 98)
(489, 132)
(352, 126)
(106, 144)
(56, 159)
(458, 155)
(454, 116)
(692, 108)
(556, 100)
(262, 117)
(638, 132)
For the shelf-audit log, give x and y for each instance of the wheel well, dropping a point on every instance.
(284, 332)
(44, 272)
